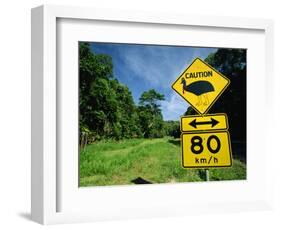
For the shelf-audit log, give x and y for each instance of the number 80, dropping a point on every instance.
(196, 141)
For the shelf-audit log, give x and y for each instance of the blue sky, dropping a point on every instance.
(144, 67)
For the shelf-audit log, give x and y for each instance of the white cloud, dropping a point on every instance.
(173, 107)
(158, 66)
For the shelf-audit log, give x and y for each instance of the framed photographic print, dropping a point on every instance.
(138, 114)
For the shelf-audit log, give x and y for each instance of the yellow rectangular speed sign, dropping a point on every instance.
(206, 149)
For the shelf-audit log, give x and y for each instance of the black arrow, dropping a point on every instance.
(212, 122)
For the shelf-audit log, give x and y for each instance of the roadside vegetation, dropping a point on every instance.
(124, 142)
(142, 161)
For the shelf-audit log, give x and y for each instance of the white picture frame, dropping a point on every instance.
(47, 182)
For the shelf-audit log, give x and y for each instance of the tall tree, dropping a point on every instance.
(127, 111)
(107, 109)
(96, 102)
(151, 98)
(150, 116)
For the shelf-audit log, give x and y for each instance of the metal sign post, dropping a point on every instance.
(207, 175)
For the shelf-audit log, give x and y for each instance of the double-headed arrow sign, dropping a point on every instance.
(213, 122)
(204, 123)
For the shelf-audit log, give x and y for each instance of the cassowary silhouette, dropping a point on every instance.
(198, 88)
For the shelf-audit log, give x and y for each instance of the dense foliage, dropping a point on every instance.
(172, 128)
(107, 108)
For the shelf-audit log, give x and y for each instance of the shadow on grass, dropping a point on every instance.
(140, 180)
(176, 142)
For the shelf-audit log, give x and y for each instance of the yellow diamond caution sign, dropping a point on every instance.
(200, 85)
(206, 149)
(195, 123)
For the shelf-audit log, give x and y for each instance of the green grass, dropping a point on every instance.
(155, 160)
